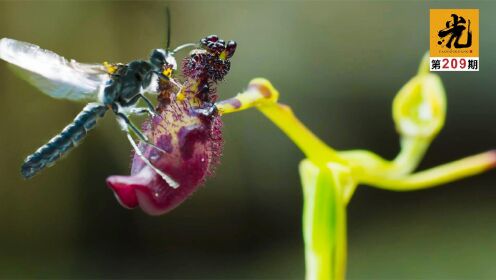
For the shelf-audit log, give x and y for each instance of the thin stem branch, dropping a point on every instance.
(435, 176)
(262, 95)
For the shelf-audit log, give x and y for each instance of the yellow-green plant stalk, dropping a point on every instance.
(329, 177)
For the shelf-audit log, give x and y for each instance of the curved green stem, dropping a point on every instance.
(435, 176)
(370, 164)
(324, 220)
(262, 95)
(412, 151)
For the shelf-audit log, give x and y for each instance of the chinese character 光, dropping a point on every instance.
(455, 28)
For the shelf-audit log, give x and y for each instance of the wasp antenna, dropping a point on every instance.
(168, 21)
(189, 45)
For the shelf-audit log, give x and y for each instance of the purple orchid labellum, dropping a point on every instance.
(187, 130)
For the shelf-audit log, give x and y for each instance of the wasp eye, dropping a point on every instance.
(157, 58)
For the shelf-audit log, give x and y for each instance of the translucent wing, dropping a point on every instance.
(53, 74)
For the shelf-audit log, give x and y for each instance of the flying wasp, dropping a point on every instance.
(116, 87)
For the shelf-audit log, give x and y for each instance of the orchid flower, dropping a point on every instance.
(193, 142)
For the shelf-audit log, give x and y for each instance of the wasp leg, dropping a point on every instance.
(171, 182)
(126, 124)
(134, 100)
(149, 104)
(131, 102)
(177, 84)
(142, 111)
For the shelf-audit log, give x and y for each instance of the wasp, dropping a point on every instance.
(115, 87)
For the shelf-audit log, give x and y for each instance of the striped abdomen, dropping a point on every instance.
(59, 145)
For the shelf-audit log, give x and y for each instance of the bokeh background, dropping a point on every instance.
(338, 64)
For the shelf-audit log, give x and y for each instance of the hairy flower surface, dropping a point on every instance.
(187, 129)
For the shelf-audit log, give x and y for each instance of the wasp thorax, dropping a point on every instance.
(187, 132)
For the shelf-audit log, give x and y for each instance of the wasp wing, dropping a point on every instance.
(53, 74)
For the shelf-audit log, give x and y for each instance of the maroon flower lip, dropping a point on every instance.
(187, 130)
(192, 147)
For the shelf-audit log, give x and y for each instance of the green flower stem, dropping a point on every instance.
(309, 144)
(365, 162)
(412, 151)
(262, 95)
(324, 220)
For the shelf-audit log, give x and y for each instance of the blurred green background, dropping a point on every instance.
(338, 64)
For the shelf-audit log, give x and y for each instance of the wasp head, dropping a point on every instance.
(164, 61)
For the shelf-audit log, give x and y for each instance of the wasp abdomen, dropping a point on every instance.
(62, 143)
